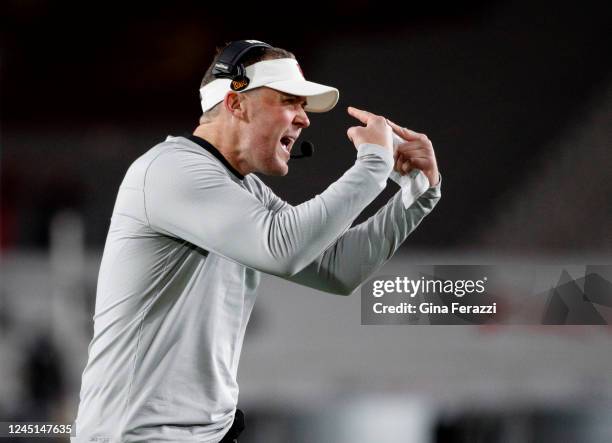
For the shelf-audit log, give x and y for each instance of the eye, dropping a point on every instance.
(295, 101)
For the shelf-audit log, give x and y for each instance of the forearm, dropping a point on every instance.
(363, 249)
(197, 202)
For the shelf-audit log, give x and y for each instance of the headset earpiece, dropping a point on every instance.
(228, 64)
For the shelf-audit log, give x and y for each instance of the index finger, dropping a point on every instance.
(405, 133)
(360, 114)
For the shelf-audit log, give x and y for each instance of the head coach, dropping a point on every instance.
(193, 228)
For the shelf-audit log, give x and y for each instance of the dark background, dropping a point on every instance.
(495, 85)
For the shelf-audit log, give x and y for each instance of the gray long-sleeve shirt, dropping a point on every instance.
(188, 239)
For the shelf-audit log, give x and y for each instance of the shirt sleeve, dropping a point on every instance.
(363, 249)
(413, 185)
(191, 196)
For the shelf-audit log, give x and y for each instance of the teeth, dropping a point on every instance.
(285, 146)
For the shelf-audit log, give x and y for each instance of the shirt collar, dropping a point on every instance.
(214, 151)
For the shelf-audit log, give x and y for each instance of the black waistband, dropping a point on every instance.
(237, 427)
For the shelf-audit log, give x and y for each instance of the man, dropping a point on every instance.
(193, 228)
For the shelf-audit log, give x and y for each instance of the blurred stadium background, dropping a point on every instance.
(517, 98)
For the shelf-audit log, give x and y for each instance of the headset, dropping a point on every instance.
(228, 66)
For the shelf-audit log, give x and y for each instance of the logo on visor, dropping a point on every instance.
(239, 83)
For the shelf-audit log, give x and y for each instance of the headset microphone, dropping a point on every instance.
(307, 149)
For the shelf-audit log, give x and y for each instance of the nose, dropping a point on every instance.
(301, 119)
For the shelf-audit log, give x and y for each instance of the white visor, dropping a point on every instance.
(282, 75)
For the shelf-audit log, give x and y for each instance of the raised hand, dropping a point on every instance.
(376, 129)
(415, 152)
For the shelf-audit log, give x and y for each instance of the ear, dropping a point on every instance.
(234, 104)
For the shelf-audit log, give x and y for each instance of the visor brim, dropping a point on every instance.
(320, 98)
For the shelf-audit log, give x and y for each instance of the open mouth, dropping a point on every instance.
(287, 143)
